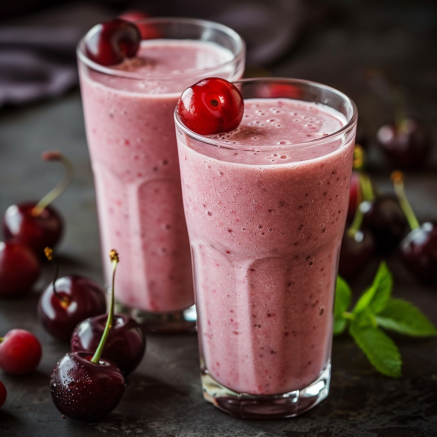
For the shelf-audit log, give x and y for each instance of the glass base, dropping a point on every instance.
(162, 323)
(266, 407)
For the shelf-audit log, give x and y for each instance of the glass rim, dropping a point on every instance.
(268, 147)
(240, 52)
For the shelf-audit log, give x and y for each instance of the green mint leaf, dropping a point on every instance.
(378, 347)
(343, 297)
(377, 295)
(384, 284)
(401, 316)
(339, 325)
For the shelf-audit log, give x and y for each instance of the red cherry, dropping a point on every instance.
(211, 106)
(355, 253)
(35, 231)
(418, 251)
(37, 225)
(111, 42)
(407, 145)
(147, 30)
(19, 269)
(384, 217)
(3, 394)
(84, 390)
(77, 299)
(20, 352)
(125, 344)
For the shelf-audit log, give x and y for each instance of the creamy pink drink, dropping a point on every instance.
(266, 207)
(130, 130)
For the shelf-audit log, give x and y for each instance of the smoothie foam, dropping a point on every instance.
(265, 220)
(130, 132)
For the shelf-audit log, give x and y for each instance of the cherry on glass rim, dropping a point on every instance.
(211, 106)
(111, 42)
(20, 352)
(148, 30)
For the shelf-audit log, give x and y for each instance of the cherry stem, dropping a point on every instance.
(398, 182)
(1, 339)
(364, 191)
(65, 301)
(113, 255)
(367, 188)
(61, 187)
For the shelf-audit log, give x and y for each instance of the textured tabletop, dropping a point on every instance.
(163, 396)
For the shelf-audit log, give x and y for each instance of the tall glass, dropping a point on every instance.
(265, 221)
(130, 131)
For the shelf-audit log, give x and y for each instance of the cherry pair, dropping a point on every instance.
(88, 383)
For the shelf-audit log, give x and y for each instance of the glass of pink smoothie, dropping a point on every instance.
(266, 208)
(129, 122)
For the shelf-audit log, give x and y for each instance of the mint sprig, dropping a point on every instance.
(376, 309)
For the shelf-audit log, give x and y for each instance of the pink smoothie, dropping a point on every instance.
(265, 229)
(130, 132)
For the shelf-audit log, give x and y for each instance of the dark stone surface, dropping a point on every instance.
(163, 397)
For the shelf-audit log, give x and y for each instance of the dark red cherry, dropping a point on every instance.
(407, 145)
(211, 106)
(84, 390)
(19, 269)
(20, 352)
(111, 42)
(21, 224)
(418, 251)
(384, 217)
(77, 298)
(147, 29)
(37, 225)
(355, 253)
(3, 394)
(125, 344)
